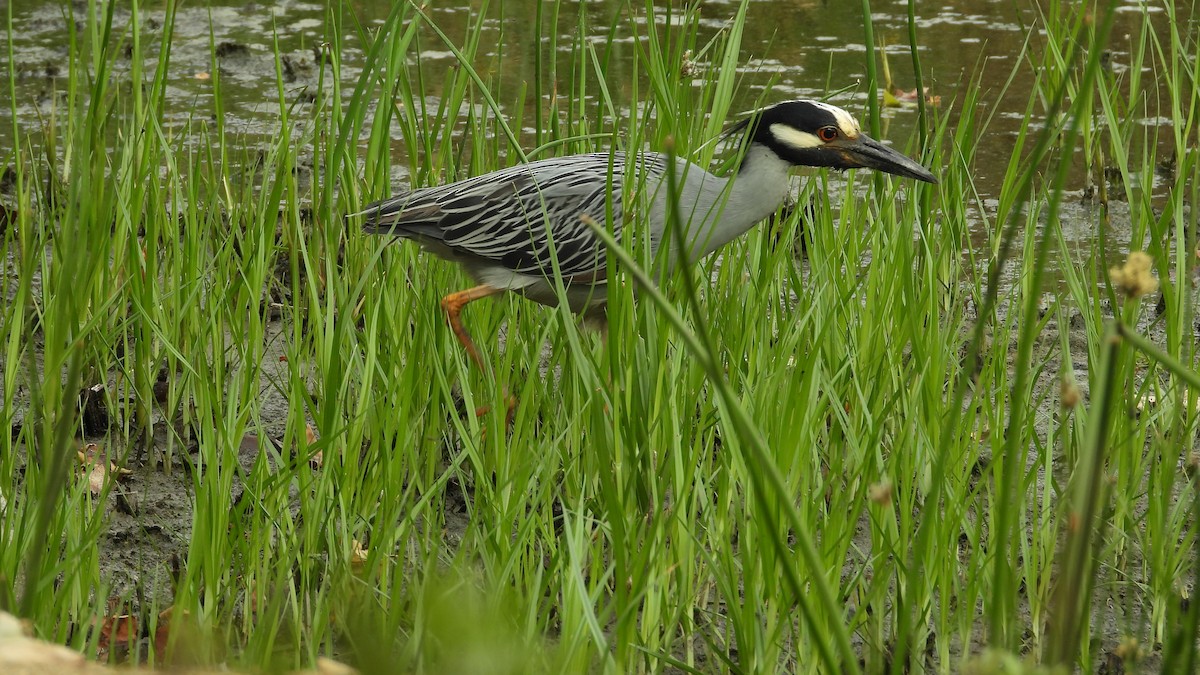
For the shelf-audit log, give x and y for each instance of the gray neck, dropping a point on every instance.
(726, 207)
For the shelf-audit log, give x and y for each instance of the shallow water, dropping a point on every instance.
(790, 49)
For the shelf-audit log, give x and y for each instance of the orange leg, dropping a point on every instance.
(453, 304)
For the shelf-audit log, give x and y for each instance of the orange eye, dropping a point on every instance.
(827, 134)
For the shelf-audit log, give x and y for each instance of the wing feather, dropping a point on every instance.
(522, 216)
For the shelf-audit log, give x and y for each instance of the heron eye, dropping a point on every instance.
(828, 134)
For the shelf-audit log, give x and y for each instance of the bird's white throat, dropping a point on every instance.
(726, 207)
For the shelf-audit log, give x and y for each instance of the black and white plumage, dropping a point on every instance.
(507, 227)
(500, 225)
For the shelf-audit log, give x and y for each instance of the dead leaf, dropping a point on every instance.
(97, 469)
(316, 459)
(162, 632)
(358, 554)
(118, 631)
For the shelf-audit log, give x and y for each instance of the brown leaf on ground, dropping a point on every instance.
(118, 631)
(162, 632)
(98, 470)
(315, 459)
(178, 640)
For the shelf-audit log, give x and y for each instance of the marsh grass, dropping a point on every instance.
(844, 463)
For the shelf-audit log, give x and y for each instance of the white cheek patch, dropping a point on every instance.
(795, 138)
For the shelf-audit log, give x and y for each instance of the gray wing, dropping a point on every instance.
(520, 217)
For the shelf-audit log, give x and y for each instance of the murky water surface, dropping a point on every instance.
(791, 47)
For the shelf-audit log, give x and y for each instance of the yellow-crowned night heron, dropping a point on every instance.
(508, 226)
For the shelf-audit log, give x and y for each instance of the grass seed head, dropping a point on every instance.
(1135, 278)
(1129, 650)
(881, 492)
(1069, 393)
